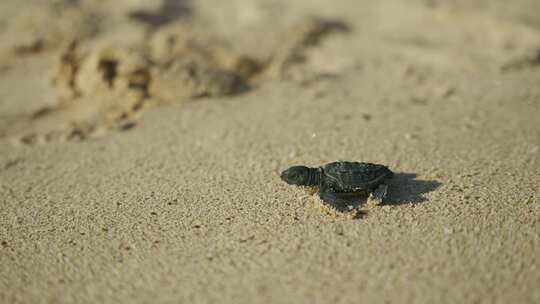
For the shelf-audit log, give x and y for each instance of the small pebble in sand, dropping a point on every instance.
(410, 136)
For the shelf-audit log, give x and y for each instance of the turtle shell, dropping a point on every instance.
(345, 176)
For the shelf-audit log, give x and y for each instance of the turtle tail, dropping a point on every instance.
(390, 174)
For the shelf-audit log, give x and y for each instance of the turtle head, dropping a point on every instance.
(296, 175)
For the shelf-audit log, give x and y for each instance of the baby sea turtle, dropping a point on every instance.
(342, 182)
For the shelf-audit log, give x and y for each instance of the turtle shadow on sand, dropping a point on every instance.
(403, 188)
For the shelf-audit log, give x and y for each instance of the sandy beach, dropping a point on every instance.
(141, 144)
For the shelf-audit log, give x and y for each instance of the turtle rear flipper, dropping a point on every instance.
(376, 197)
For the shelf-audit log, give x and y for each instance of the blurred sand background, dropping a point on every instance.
(141, 141)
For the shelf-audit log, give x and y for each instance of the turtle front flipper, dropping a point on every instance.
(341, 200)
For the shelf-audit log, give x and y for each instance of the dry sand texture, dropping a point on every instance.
(141, 141)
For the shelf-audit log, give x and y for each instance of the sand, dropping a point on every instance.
(141, 144)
